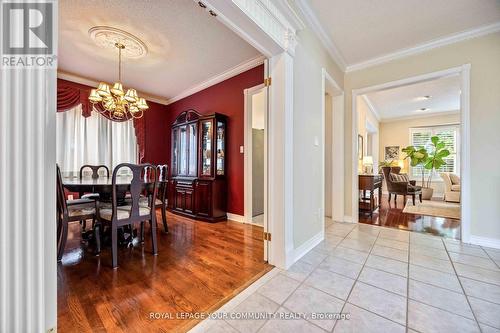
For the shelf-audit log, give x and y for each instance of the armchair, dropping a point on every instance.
(451, 187)
(399, 184)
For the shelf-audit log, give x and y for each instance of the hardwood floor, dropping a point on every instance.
(199, 267)
(392, 216)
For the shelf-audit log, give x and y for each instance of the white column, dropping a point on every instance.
(281, 160)
(28, 264)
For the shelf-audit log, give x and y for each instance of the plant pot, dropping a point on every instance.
(427, 193)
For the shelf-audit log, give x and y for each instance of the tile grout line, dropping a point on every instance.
(356, 280)
(408, 285)
(489, 256)
(301, 283)
(463, 289)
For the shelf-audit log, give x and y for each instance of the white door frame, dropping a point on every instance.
(329, 84)
(247, 157)
(274, 37)
(464, 72)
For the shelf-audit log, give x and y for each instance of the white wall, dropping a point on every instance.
(366, 115)
(483, 53)
(310, 58)
(328, 154)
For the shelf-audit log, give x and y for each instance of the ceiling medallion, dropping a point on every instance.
(108, 37)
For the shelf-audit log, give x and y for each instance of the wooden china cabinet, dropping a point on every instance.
(198, 187)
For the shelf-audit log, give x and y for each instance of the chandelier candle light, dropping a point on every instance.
(115, 101)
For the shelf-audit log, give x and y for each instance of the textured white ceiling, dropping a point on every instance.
(406, 101)
(186, 45)
(366, 29)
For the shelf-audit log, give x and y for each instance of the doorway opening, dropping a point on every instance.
(255, 158)
(333, 150)
(413, 112)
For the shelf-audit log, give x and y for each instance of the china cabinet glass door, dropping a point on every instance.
(183, 156)
(206, 148)
(193, 149)
(221, 147)
(175, 151)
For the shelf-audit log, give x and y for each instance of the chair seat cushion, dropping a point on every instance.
(92, 196)
(81, 210)
(455, 188)
(79, 202)
(122, 212)
(143, 201)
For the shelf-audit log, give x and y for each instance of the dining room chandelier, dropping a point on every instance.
(114, 100)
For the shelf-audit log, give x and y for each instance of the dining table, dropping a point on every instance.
(102, 185)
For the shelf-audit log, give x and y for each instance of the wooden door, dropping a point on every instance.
(204, 198)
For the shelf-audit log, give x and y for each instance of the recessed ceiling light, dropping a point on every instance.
(427, 97)
(423, 109)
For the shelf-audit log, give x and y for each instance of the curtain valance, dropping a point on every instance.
(70, 94)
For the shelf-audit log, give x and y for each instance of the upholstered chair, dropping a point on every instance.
(400, 184)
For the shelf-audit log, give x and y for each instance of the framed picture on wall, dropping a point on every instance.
(391, 153)
(360, 147)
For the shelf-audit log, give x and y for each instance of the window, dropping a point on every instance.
(450, 134)
(93, 140)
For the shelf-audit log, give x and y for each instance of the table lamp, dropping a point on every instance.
(368, 164)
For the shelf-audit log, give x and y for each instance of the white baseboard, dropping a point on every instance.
(307, 246)
(485, 241)
(235, 217)
(348, 219)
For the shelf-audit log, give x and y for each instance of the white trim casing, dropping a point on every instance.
(464, 72)
(337, 147)
(455, 38)
(248, 147)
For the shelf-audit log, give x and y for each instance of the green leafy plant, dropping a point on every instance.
(429, 161)
(417, 156)
(387, 163)
(435, 160)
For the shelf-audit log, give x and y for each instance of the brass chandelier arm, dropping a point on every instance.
(119, 104)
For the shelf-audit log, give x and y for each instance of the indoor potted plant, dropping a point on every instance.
(429, 161)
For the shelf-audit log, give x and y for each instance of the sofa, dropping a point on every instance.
(451, 187)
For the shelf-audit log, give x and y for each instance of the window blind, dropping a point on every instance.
(421, 137)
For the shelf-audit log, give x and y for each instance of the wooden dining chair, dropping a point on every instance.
(71, 211)
(119, 216)
(95, 170)
(161, 202)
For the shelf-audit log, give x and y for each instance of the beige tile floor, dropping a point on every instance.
(387, 280)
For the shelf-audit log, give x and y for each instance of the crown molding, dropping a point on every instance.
(314, 24)
(418, 116)
(371, 107)
(290, 14)
(188, 92)
(93, 83)
(451, 39)
(243, 67)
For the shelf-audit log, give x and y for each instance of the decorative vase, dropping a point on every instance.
(427, 193)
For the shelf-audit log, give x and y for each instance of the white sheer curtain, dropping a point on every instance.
(93, 140)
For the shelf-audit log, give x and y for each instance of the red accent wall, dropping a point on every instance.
(157, 134)
(226, 98)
